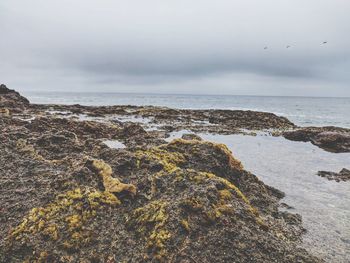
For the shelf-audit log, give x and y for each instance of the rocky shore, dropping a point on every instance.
(68, 197)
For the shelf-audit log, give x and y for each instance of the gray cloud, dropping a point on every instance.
(177, 46)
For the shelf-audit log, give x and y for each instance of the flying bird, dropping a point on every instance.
(265, 47)
(288, 46)
(324, 42)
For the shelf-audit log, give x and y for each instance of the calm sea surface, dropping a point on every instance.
(304, 111)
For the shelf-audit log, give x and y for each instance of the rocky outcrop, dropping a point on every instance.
(332, 139)
(11, 100)
(67, 197)
(343, 175)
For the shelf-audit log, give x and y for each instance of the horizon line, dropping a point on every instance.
(185, 94)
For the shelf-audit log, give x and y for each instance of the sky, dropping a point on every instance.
(178, 46)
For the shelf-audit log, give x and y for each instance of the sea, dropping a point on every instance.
(303, 111)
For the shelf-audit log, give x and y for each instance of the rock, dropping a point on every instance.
(5, 112)
(332, 139)
(286, 206)
(343, 175)
(191, 136)
(191, 194)
(12, 99)
(66, 196)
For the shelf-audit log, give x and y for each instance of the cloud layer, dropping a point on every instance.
(177, 46)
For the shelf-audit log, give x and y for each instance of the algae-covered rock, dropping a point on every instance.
(111, 184)
(67, 197)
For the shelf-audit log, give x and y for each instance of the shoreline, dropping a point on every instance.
(162, 187)
(302, 111)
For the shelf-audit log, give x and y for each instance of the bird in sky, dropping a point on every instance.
(324, 42)
(288, 46)
(265, 47)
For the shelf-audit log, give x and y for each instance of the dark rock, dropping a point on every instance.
(191, 136)
(12, 99)
(343, 175)
(332, 139)
(286, 206)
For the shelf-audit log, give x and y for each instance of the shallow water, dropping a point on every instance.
(114, 144)
(291, 167)
(112, 117)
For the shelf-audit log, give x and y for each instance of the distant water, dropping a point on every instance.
(303, 111)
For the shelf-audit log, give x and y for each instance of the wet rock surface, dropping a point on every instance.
(332, 139)
(67, 197)
(343, 175)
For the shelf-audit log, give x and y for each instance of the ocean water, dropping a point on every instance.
(303, 111)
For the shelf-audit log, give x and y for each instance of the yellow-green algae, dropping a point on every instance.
(110, 183)
(67, 214)
(150, 221)
(234, 163)
(226, 195)
(169, 160)
(185, 224)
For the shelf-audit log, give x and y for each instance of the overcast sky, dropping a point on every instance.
(178, 46)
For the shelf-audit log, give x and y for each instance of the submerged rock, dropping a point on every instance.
(343, 175)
